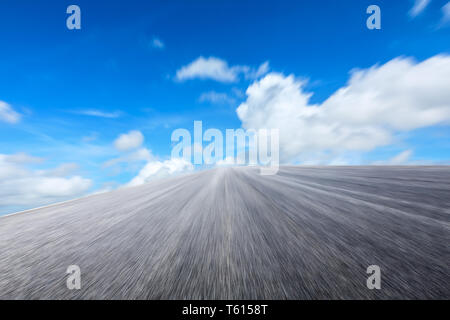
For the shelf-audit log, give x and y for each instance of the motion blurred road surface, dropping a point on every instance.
(230, 233)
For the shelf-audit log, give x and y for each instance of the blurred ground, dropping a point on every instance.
(229, 233)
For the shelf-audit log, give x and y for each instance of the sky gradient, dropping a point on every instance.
(83, 111)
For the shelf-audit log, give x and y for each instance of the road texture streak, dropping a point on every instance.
(230, 233)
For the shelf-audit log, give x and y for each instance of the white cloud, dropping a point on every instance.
(20, 158)
(400, 159)
(61, 187)
(99, 113)
(153, 169)
(216, 98)
(403, 158)
(157, 43)
(445, 14)
(208, 68)
(255, 74)
(7, 114)
(128, 141)
(23, 187)
(61, 171)
(217, 69)
(376, 103)
(419, 7)
(157, 169)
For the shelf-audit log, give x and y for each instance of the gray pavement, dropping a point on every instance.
(229, 233)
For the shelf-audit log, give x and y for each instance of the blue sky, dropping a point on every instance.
(74, 92)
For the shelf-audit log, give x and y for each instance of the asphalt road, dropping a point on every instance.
(305, 233)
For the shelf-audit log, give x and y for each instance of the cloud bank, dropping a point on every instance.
(375, 105)
(24, 187)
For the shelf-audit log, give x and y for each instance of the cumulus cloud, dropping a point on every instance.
(208, 68)
(133, 160)
(7, 113)
(161, 169)
(128, 141)
(22, 187)
(376, 103)
(419, 7)
(217, 69)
